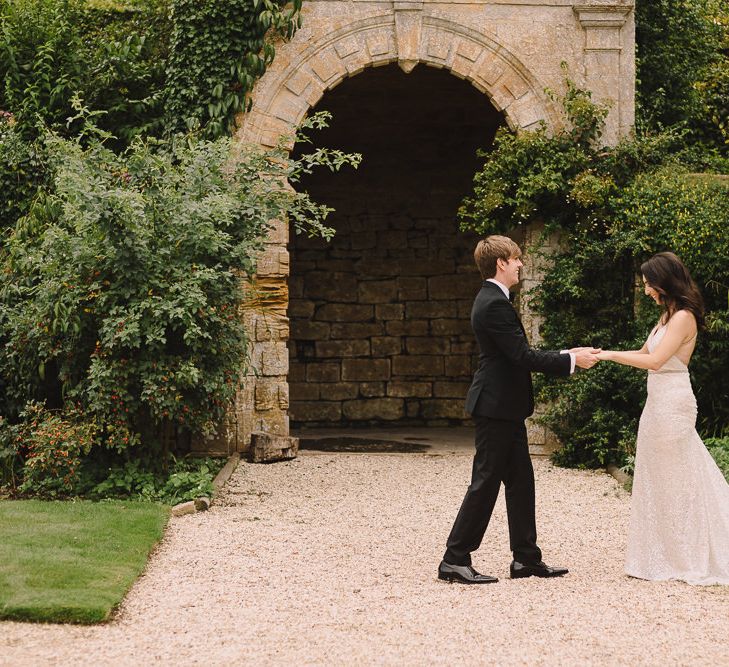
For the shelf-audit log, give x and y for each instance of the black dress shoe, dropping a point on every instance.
(541, 569)
(463, 574)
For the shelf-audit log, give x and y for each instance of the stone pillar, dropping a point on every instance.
(609, 62)
(263, 402)
(537, 248)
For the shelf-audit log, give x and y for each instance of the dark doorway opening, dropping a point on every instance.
(380, 329)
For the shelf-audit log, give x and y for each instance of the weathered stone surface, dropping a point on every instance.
(324, 372)
(417, 365)
(377, 291)
(387, 409)
(342, 312)
(430, 345)
(316, 411)
(385, 346)
(371, 389)
(452, 287)
(337, 391)
(307, 330)
(342, 348)
(327, 286)
(365, 369)
(450, 389)
(431, 309)
(441, 327)
(407, 328)
(266, 448)
(303, 391)
(443, 409)
(390, 311)
(412, 289)
(357, 329)
(458, 366)
(406, 389)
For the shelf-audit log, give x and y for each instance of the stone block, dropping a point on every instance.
(316, 411)
(452, 287)
(342, 348)
(407, 328)
(458, 366)
(338, 391)
(324, 372)
(431, 309)
(339, 287)
(303, 391)
(377, 291)
(266, 447)
(412, 409)
(368, 266)
(443, 389)
(365, 369)
(402, 389)
(430, 345)
(363, 240)
(357, 329)
(389, 311)
(419, 267)
(393, 239)
(443, 327)
(372, 389)
(412, 288)
(443, 409)
(342, 312)
(417, 365)
(385, 346)
(270, 326)
(297, 372)
(301, 309)
(387, 409)
(307, 330)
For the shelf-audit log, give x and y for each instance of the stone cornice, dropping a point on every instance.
(603, 15)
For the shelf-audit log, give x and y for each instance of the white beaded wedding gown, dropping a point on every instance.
(679, 520)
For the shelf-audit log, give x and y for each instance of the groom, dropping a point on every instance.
(500, 399)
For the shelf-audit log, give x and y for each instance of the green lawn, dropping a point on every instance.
(72, 561)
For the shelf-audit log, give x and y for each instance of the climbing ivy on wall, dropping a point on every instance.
(218, 49)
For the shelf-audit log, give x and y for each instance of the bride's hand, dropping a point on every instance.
(604, 355)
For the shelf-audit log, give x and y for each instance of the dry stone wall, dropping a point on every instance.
(380, 323)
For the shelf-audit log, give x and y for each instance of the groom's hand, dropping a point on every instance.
(585, 357)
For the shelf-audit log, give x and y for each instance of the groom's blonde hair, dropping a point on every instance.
(491, 249)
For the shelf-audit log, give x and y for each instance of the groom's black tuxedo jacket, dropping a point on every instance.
(502, 385)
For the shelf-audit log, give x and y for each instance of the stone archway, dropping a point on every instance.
(485, 44)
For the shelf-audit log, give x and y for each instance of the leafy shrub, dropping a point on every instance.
(184, 479)
(612, 207)
(52, 447)
(121, 289)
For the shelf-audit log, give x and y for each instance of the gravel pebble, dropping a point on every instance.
(331, 559)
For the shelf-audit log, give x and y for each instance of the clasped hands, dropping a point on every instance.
(585, 357)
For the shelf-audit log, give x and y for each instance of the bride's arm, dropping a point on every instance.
(680, 328)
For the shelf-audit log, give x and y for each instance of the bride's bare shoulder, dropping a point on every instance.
(684, 319)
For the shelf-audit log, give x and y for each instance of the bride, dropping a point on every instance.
(679, 521)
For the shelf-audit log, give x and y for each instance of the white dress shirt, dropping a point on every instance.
(505, 290)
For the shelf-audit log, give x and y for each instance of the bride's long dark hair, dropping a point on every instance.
(666, 274)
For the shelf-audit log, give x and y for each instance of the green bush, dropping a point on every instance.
(121, 289)
(52, 448)
(612, 208)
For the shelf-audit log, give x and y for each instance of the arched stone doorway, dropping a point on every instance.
(379, 316)
(511, 52)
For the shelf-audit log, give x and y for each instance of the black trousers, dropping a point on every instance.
(502, 455)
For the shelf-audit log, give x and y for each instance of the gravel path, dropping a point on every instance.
(331, 559)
